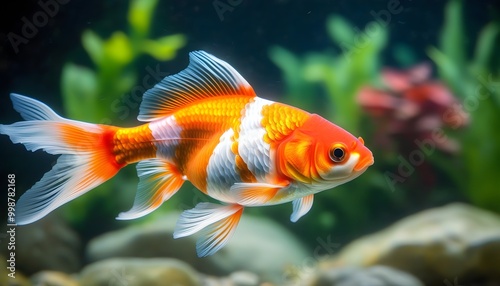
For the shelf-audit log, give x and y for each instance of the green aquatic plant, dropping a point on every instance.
(91, 95)
(476, 81)
(340, 75)
(88, 94)
(327, 83)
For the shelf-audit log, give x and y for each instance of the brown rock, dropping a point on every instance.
(48, 244)
(259, 245)
(355, 276)
(456, 240)
(53, 278)
(139, 272)
(15, 279)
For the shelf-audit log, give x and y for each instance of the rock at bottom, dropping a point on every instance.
(356, 276)
(139, 272)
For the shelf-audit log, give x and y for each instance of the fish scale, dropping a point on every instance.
(133, 144)
(280, 120)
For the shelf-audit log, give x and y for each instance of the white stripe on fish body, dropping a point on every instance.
(164, 131)
(221, 170)
(252, 148)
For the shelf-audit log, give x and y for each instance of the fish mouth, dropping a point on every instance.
(363, 164)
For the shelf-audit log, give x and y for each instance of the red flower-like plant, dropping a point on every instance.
(413, 107)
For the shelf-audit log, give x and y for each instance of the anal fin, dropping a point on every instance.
(218, 223)
(158, 181)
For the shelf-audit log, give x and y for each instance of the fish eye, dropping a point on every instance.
(337, 153)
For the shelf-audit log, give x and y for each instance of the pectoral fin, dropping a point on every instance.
(301, 207)
(254, 193)
(218, 223)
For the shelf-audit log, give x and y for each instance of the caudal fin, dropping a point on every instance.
(86, 159)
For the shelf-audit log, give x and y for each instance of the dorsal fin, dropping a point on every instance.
(206, 76)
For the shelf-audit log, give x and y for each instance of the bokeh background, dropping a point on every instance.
(418, 80)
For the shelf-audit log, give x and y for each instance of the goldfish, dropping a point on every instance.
(205, 125)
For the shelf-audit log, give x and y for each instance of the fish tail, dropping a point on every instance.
(86, 159)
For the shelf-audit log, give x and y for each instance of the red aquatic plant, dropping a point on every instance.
(412, 107)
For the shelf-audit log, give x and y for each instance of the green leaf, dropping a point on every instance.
(297, 89)
(318, 68)
(482, 156)
(79, 88)
(140, 15)
(93, 44)
(340, 30)
(485, 47)
(118, 49)
(452, 36)
(286, 61)
(125, 82)
(164, 48)
(449, 71)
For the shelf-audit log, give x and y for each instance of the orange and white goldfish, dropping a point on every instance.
(204, 125)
